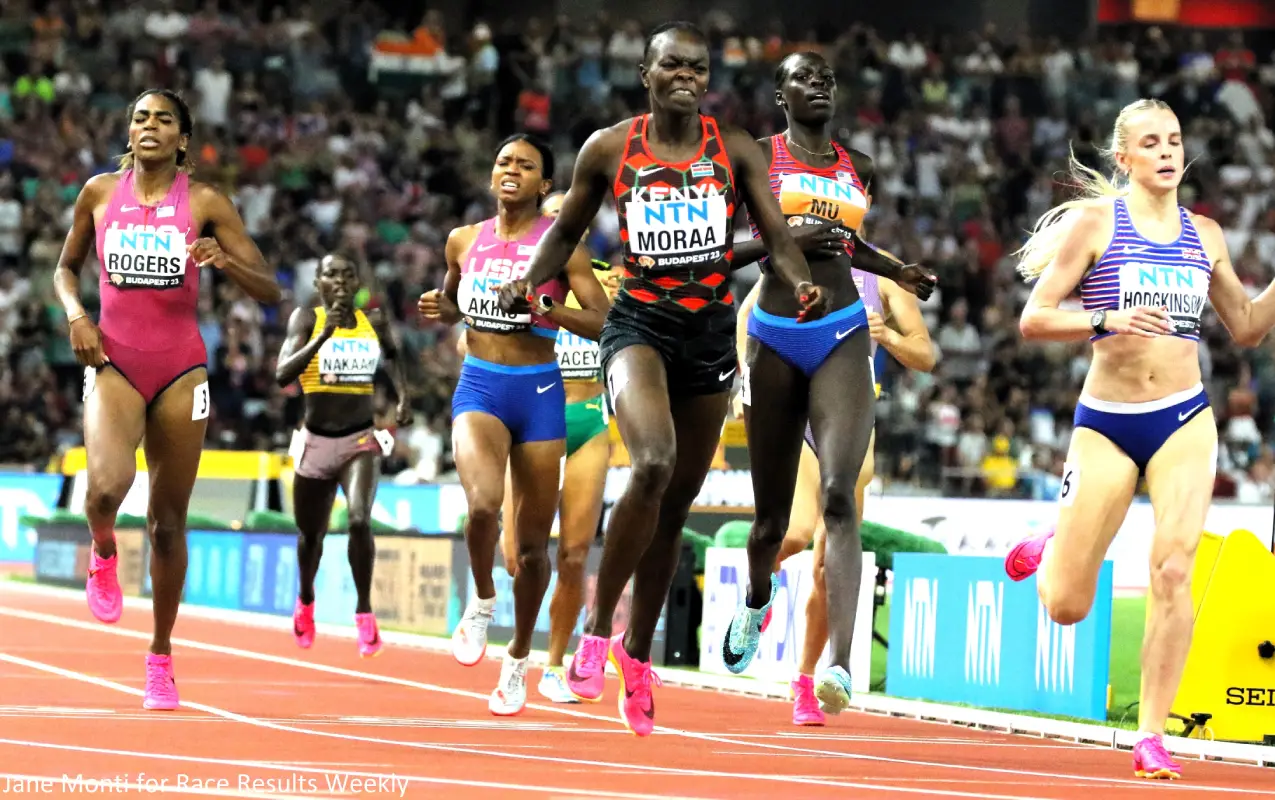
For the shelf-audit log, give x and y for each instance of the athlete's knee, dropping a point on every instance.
(652, 469)
(838, 499)
(105, 496)
(167, 533)
(484, 513)
(359, 523)
(533, 559)
(1065, 607)
(1171, 568)
(571, 561)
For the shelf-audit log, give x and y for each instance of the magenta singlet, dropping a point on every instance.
(150, 287)
(492, 261)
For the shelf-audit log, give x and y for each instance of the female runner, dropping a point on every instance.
(583, 481)
(1145, 267)
(508, 408)
(898, 327)
(811, 375)
(668, 345)
(155, 227)
(335, 350)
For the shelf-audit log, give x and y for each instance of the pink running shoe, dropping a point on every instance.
(1151, 760)
(1023, 561)
(805, 706)
(587, 677)
(106, 599)
(303, 624)
(369, 635)
(161, 687)
(637, 705)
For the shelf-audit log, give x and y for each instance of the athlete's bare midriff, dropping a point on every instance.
(1131, 369)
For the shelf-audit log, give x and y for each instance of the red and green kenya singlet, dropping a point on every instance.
(677, 224)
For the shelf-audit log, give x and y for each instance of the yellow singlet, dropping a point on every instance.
(580, 359)
(346, 363)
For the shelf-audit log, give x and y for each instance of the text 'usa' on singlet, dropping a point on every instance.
(148, 283)
(580, 359)
(492, 261)
(811, 195)
(676, 224)
(1134, 271)
(347, 362)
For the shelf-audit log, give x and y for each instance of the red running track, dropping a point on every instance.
(261, 718)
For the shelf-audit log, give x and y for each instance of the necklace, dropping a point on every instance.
(832, 151)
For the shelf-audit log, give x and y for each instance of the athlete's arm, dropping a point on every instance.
(590, 182)
(444, 305)
(905, 335)
(1247, 320)
(240, 258)
(298, 348)
(753, 179)
(1080, 249)
(741, 322)
(393, 364)
(66, 275)
(586, 320)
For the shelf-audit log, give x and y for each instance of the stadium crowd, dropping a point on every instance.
(322, 146)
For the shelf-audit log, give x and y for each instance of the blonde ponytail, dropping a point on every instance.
(1095, 191)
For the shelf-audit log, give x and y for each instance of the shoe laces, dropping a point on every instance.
(1156, 745)
(517, 677)
(157, 676)
(475, 615)
(640, 679)
(590, 655)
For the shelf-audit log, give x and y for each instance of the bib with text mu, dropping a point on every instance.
(676, 221)
(580, 359)
(491, 262)
(1135, 271)
(810, 195)
(347, 362)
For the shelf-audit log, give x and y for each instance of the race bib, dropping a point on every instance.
(578, 358)
(144, 257)
(1183, 291)
(348, 361)
(677, 227)
(802, 195)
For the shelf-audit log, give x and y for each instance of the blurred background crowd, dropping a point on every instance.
(307, 117)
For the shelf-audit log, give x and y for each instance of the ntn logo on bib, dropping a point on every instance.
(349, 360)
(141, 256)
(806, 194)
(666, 221)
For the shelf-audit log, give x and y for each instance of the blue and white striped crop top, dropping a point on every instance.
(1137, 272)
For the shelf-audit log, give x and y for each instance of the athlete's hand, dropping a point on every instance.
(336, 315)
(877, 328)
(814, 301)
(403, 414)
(514, 297)
(918, 280)
(738, 403)
(86, 341)
(431, 304)
(208, 253)
(1142, 321)
(822, 240)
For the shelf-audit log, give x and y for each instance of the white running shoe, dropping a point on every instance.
(469, 640)
(511, 693)
(553, 686)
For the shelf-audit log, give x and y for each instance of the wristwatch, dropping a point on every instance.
(1099, 321)
(546, 302)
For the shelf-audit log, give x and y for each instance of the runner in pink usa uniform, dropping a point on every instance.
(145, 378)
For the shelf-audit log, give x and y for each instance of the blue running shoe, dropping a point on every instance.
(833, 690)
(744, 633)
